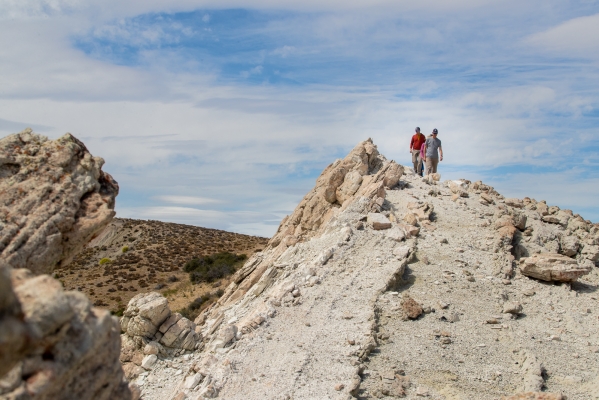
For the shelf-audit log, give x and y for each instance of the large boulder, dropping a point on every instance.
(69, 350)
(54, 197)
(148, 320)
(553, 267)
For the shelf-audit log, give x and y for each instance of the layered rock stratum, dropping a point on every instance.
(54, 197)
(383, 284)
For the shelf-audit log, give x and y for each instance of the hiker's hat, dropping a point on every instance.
(435, 131)
(417, 129)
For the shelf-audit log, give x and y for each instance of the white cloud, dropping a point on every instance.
(577, 37)
(257, 70)
(187, 138)
(191, 200)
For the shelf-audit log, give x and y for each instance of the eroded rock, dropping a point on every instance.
(55, 198)
(553, 267)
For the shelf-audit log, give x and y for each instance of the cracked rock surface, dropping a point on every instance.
(54, 197)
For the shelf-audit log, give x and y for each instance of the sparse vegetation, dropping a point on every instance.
(210, 268)
(169, 292)
(125, 249)
(161, 251)
(118, 311)
(195, 307)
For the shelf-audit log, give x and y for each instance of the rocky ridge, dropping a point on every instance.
(386, 285)
(54, 198)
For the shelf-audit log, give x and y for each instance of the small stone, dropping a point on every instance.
(443, 305)
(492, 321)
(459, 250)
(445, 340)
(411, 308)
(554, 338)
(512, 308)
(378, 221)
(470, 279)
(422, 391)
(443, 241)
(529, 292)
(506, 281)
(454, 317)
(149, 361)
(351, 342)
(339, 387)
(193, 380)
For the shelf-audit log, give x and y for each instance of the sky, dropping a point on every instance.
(223, 113)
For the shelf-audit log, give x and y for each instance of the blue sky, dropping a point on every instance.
(222, 114)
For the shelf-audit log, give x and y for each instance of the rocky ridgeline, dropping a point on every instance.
(380, 284)
(54, 198)
(386, 285)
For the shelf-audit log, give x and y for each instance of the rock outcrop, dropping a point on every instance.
(151, 329)
(68, 349)
(54, 198)
(425, 273)
(553, 267)
(362, 174)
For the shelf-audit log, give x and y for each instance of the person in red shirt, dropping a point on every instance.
(415, 144)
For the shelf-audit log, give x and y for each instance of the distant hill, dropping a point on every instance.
(133, 256)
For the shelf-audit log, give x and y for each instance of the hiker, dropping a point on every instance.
(415, 145)
(421, 166)
(432, 149)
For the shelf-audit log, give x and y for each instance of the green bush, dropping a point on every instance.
(119, 311)
(125, 249)
(211, 268)
(105, 261)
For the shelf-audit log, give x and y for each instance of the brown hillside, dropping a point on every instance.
(132, 256)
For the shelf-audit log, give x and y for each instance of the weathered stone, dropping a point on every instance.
(552, 267)
(55, 197)
(569, 245)
(350, 186)
(14, 332)
(512, 202)
(401, 252)
(512, 307)
(393, 175)
(591, 253)
(378, 221)
(411, 219)
(193, 380)
(149, 361)
(551, 219)
(144, 314)
(487, 198)
(44, 303)
(411, 308)
(396, 234)
(81, 344)
(227, 333)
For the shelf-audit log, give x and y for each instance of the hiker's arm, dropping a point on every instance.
(411, 144)
(441, 152)
(424, 153)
